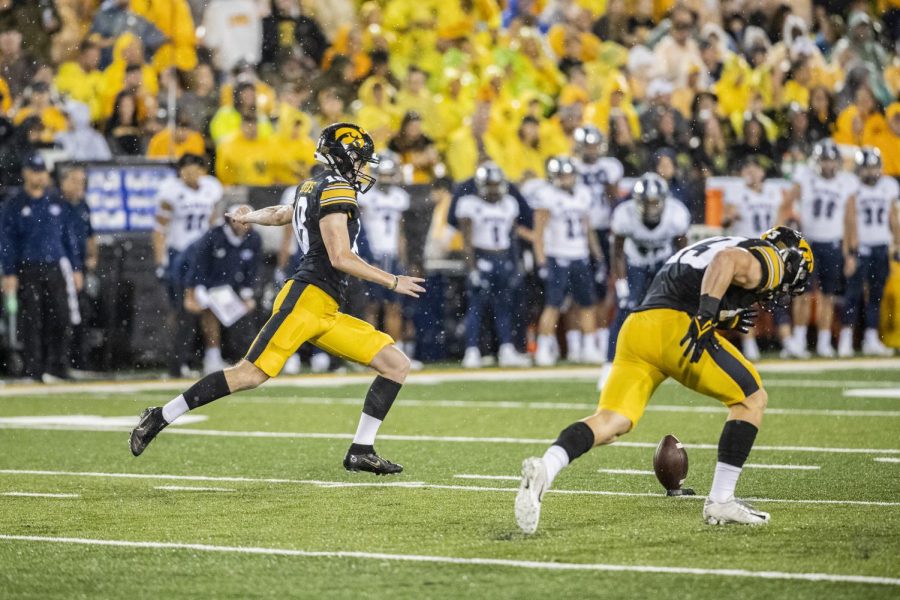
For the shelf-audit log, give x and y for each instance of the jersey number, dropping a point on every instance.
(828, 206)
(698, 256)
(194, 221)
(874, 215)
(573, 228)
(300, 224)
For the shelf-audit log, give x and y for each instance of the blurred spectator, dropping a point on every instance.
(378, 113)
(233, 32)
(522, 154)
(123, 129)
(38, 103)
(891, 152)
(677, 50)
(861, 123)
(227, 120)
(795, 143)
(36, 20)
(752, 141)
(16, 67)
(129, 72)
(860, 45)
(41, 270)
(244, 71)
(247, 158)
(287, 26)
(81, 79)
(227, 255)
(415, 149)
(173, 142)
(414, 96)
(821, 114)
(82, 142)
(22, 143)
(295, 147)
(115, 18)
(174, 20)
(200, 99)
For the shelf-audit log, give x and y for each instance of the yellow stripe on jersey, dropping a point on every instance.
(774, 266)
(335, 193)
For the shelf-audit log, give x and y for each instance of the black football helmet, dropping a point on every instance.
(868, 164)
(490, 181)
(348, 148)
(649, 193)
(797, 256)
(826, 157)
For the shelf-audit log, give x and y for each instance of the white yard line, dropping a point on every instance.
(419, 485)
(39, 495)
(441, 439)
(886, 459)
(494, 477)
(188, 488)
(783, 467)
(487, 562)
(870, 392)
(581, 406)
(426, 378)
(625, 472)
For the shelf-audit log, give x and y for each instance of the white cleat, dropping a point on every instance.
(874, 347)
(292, 366)
(825, 351)
(732, 511)
(531, 492)
(793, 348)
(320, 362)
(472, 358)
(509, 358)
(593, 357)
(544, 357)
(750, 350)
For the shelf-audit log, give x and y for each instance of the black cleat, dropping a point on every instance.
(371, 463)
(151, 423)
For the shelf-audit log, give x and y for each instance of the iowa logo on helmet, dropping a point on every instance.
(350, 136)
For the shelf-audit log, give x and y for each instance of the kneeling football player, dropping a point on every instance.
(707, 286)
(325, 218)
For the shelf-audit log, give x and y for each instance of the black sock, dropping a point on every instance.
(576, 439)
(380, 397)
(212, 387)
(735, 442)
(361, 449)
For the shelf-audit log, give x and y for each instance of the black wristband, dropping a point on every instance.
(709, 307)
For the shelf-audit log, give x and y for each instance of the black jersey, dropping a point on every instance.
(324, 194)
(677, 284)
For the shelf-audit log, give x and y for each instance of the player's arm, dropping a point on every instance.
(789, 198)
(895, 226)
(465, 229)
(336, 238)
(851, 237)
(277, 215)
(163, 219)
(541, 217)
(731, 266)
(593, 242)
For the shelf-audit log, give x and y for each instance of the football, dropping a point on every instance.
(670, 463)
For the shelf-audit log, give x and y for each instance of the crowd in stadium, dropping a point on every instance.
(459, 95)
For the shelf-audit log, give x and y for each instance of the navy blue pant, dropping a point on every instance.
(639, 279)
(872, 268)
(496, 279)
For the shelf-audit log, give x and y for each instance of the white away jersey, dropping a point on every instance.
(823, 203)
(756, 212)
(643, 246)
(382, 210)
(597, 176)
(565, 235)
(492, 222)
(191, 209)
(873, 211)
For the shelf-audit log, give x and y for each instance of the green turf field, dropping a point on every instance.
(276, 515)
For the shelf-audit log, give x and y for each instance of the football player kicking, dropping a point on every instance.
(707, 286)
(325, 218)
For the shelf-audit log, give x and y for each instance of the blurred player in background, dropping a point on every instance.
(601, 174)
(647, 229)
(381, 210)
(751, 209)
(564, 244)
(184, 208)
(707, 286)
(877, 228)
(325, 217)
(229, 254)
(827, 215)
(489, 217)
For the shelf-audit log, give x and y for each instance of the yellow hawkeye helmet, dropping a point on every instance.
(348, 148)
(797, 256)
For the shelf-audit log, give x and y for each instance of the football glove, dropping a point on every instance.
(701, 334)
(737, 320)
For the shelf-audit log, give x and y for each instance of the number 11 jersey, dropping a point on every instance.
(677, 284)
(823, 203)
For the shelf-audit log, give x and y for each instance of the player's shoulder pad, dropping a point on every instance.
(769, 259)
(335, 190)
